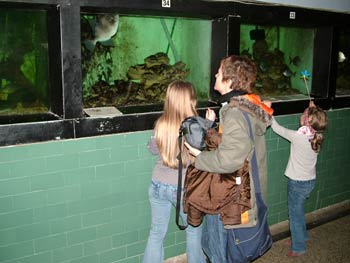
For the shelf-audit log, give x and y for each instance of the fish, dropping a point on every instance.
(295, 61)
(258, 84)
(341, 57)
(104, 28)
(282, 84)
(263, 66)
(288, 73)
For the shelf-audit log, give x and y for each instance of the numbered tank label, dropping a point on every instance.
(291, 15)
(166, 3)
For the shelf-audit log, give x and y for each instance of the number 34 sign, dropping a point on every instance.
(166, 3)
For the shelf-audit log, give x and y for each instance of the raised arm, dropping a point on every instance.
(282, 131)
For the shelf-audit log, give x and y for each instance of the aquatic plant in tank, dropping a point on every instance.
(130, 60)
(343, 72)
(23, 62)
(280, 54)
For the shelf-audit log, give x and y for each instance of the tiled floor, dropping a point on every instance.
(329, 243)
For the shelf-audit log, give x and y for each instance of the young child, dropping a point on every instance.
(180, 103)
(301, 170)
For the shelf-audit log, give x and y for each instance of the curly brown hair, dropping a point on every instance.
(241, 71)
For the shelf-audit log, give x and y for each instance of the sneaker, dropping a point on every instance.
(295, 254)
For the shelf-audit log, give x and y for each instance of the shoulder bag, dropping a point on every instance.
(247, 244)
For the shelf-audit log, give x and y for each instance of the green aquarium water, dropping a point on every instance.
(23, 62)
(343, 72)
(130, 60)
(281, 54)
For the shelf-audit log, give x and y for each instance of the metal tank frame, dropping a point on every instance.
(66, 118)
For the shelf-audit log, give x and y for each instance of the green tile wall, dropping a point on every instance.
(85, 200)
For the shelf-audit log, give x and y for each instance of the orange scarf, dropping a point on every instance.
(253, 98)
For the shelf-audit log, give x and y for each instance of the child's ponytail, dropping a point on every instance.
(317, 141)
(318, 121)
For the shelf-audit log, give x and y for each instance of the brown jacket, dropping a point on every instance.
(235, 147)
(210, 193)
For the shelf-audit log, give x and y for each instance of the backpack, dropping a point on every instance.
(194, 129)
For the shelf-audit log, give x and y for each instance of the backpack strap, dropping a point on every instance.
(179, 184)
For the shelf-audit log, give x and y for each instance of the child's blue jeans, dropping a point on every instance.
(162, 198)
(298, 192)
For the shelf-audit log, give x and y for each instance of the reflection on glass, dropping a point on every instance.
(23, 62)
(130, 60)
(343, 73)
(281, 54)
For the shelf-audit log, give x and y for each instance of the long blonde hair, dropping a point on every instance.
(180, 102)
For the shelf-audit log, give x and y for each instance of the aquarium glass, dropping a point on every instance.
(23, 62)
(130, 60)
(343, 72)
(284, 59)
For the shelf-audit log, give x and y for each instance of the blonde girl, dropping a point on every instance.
(180, 103)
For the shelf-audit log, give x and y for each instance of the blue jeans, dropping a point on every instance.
(162, 197)
(214, 240)
(298, 192)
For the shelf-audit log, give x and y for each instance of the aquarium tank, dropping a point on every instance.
(129, 60)
(23, 62)
(281, 55)
(343, 69)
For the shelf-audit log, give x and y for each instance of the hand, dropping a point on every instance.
(312, 104)
(268, 103)
(193, 151)
(210, 114)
